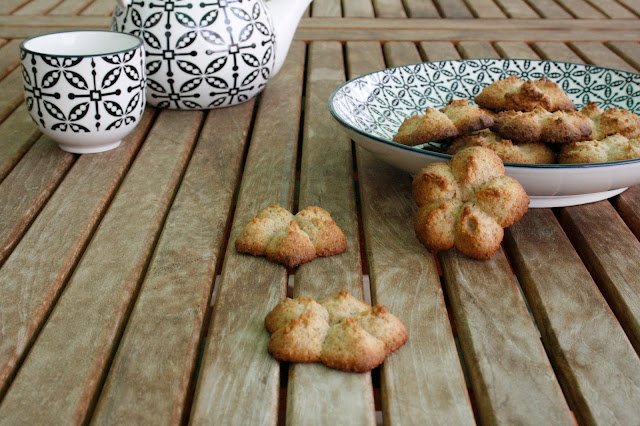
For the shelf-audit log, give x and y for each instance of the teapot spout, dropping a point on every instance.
(285, 15)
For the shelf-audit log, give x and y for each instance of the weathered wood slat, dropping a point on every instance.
(606, 244)
(166, 322)
(17, 135)
(423, 382)
(633, 5)
(326, 180)
(9, 57)
(236, 365)
(512, 379)
(613, 9)
(581, 9)
(486, 9)
(389, 8)
(37, 7)
(517, 9)
(27, 188)
(549, 9)
(453, 9)
(8, 6)
(628, 206)
(421, 9)
(438, 51)
(358, 8)
(99, 8)
(75, 345)
(515, 50)
(556, 52)
(629, 51)
(600, 54)
(41, 263)
(12, 91)
(598, 368)
(326, 8)
(69, 7)
(477, 49)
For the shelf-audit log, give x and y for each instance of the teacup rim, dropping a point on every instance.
(116, 52)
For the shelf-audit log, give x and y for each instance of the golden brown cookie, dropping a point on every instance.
(467, 118)
(349, 347)
(612, 148)
(611, 121)
(540, 125)
(512, 93)
(509, 152)
(280, 236)
(324, 233)
(342, 305)
(349, 335)
(468, 213)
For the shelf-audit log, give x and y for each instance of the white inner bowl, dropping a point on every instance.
(81, 43)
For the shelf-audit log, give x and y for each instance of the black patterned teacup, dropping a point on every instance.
(84, 89)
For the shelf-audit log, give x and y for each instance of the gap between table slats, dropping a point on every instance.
(237, 338)
(327, 181)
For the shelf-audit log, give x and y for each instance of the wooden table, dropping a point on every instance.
(123, 300)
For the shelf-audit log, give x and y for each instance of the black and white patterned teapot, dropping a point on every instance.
(203, 54)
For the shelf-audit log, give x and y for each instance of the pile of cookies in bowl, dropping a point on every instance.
(528, 122)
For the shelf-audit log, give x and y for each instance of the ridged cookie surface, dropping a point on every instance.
(513, 93)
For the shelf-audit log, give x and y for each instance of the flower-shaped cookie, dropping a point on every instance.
(291, 240)
(340, 331)
(467, 203)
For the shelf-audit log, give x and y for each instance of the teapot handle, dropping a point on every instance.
(124, 3)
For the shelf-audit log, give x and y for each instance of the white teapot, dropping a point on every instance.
(203, 54)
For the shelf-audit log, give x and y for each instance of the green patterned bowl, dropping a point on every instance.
(370, 109)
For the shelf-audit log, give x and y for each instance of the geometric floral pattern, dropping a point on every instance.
(201, 54)
(377, 103)
(84, 94)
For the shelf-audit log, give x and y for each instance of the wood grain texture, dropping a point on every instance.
(75, 346)
(9, 57)
(9, 6)
(511, 376)
(599, 54)
(597, 366)
(486, 9)
(11, 88)
(27, 188)
(421, 9)
(581, 9)
(358, 8)
(438, 51)
(605, 245)
(37, 7)
(239, 380)
(40, 264)
(517, 9)
(17, 133)
(326, 8)
(69, 7)
(149, 378)
(633, 5)
(389, 8)
(629, 51)
(326, 180)
(99, 8)
(515, 50)
(549, 9)
(477, 49)
(422, 383)
(453, 9)
(612, 9)
(556, 52)
(628, 206)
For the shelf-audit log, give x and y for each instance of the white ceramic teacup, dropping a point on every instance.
(84, 89)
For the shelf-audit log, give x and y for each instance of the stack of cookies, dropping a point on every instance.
(532, 122)
(340, 331)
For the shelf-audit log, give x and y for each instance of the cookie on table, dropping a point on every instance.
(509, 152)
(541, 125)
(291, 240)
(340, 331)
(513, 93)
(612, 148)
(466, 203)
(457, 118)
(611, 121)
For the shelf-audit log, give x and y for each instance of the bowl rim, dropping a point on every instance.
(447, 157)
(139, 44)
